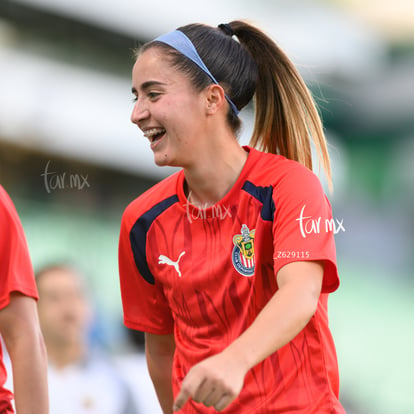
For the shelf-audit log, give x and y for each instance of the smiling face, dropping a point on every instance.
(168, 109)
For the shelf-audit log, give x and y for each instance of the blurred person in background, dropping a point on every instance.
(19, 323)
(222, 264)
(82, 379)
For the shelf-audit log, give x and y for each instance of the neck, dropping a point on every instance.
(209, 179)
(63, 355)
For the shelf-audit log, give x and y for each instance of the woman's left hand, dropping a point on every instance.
(214, 382)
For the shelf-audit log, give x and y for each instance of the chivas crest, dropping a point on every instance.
(243, 256)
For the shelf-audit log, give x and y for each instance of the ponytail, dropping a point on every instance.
(286, 117)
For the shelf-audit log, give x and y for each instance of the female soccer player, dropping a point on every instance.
(227, 264)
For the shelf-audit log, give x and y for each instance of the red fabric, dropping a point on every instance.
(16, 272)
(207, 291)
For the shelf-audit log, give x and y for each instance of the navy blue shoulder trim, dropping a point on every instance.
(138, 236)
(264, 195)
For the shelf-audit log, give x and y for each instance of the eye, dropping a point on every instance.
(134, 94)
(153, 95)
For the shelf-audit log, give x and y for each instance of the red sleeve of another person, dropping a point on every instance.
(16, 270)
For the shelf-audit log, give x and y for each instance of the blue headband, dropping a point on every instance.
(179, 41)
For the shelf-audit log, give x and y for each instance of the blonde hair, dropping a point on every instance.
(286, 116)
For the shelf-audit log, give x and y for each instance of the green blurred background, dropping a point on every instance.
(71, 160)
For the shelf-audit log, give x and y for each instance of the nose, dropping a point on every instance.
(139, 113)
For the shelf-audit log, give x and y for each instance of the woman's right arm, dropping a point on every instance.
(159, 351)
(19, 326)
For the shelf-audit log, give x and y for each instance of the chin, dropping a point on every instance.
(161, 161)
(164, 160)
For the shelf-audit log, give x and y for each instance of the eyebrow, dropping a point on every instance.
(147, 85)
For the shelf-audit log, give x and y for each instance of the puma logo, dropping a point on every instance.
(166, 260)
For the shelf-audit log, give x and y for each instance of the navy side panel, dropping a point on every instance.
(138, 236)
(264, 195)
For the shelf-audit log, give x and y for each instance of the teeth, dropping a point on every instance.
(152, 132)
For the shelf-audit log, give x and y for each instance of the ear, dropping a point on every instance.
(216, 99)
